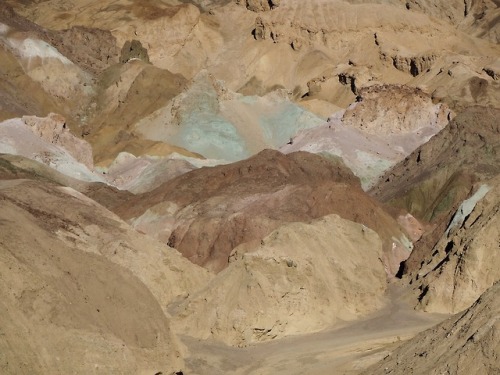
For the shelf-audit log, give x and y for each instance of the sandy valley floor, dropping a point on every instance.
(346, 349)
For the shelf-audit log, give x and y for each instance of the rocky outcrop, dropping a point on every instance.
(92, 49)
(413, 65)
(259, 5)
(260, 31)
(477, 17)
(54, 130)
(493, 70)
(433, 181)
(466, 343)
(301, 278)
(133, 50)
(450, 263)
(391, 109)
(465, 261)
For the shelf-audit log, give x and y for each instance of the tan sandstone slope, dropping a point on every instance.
(81, 290)
(303, 277)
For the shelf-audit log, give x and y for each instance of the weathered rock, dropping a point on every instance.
(260, 32)
(133, 50)
(54, 129)
(466, 260)
(493, 70)
(259, 5)
(433, 181)
(468, 342)
(92, 49)
(413, 65)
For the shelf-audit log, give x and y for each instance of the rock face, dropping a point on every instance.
(133, 50)
(472, 16)
(300, 278)
(383, 126)
(438, 181)
(434, 180)
(54, 130)
(94, 50)
(466, 259)
(74, 294)
(206, 213)
(468, 342)
(395, 109)
(259, 5)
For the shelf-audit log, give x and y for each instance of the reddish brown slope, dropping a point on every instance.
(208, 212)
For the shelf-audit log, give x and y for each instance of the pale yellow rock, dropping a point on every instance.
(466, 260)
(301, 278)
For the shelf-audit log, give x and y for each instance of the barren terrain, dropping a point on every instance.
(249, 187)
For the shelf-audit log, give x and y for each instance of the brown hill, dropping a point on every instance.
(467, 343)
(206, 213)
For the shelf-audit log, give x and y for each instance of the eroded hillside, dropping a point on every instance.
(249, 187)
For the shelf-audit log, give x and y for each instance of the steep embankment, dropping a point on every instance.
(466, 259)
(447, 179)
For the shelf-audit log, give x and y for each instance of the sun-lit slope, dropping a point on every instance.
(466, 259)
(173, 32)
(308, 47)
(434, 180)
(299, 43)
(80, 289)
(479, 17)
(301, 278)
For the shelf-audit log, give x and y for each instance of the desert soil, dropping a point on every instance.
(345, 349)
